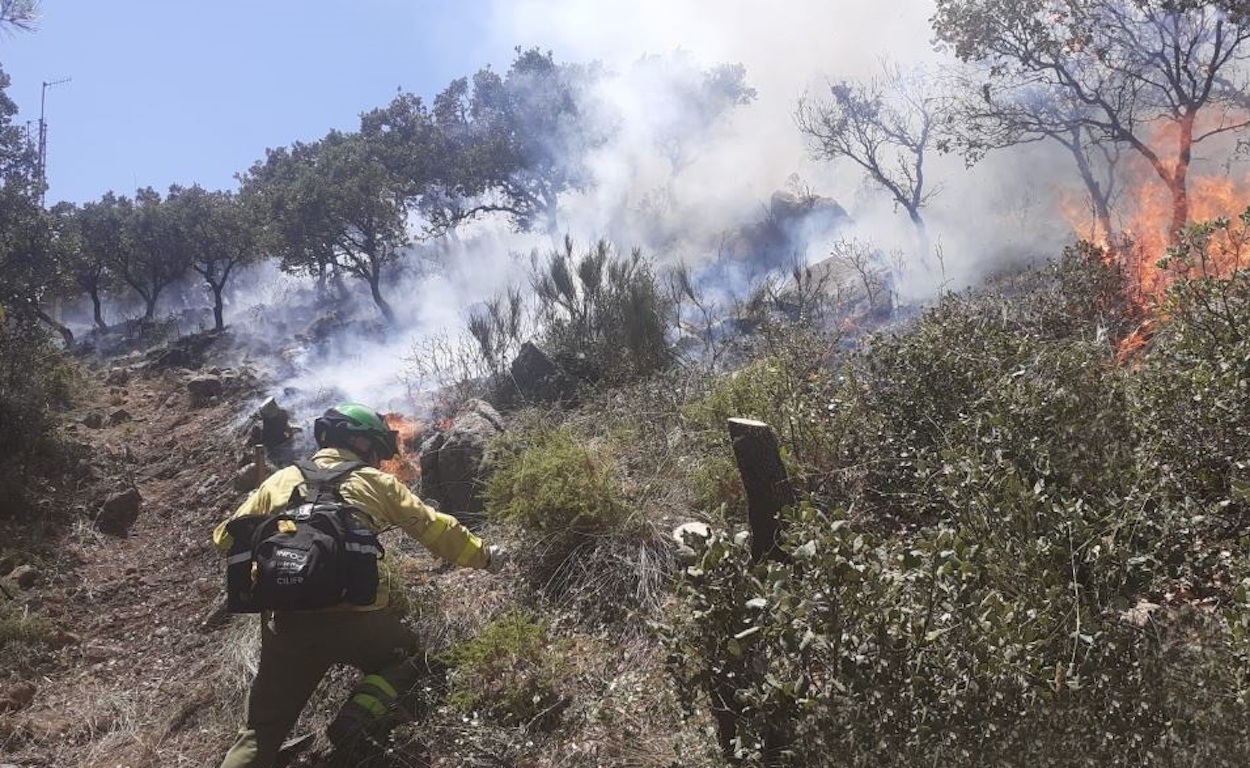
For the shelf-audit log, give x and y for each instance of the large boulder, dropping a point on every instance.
(538, 379)
(119, 512)
(452, 458)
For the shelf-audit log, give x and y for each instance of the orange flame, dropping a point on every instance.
(406, 467)
(1144, 217)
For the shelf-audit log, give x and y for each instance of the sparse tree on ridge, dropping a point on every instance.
(516, 143)
(88, 272)
(222, 234)
(102, 231)
(155, 257)
(886, 126)
(1157, 77)
(336, 204)
(298, 230)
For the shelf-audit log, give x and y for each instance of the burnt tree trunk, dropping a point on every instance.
(766, 483)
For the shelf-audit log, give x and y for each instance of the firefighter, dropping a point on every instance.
(298, 647)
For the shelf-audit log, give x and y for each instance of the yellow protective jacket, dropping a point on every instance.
(384, 501)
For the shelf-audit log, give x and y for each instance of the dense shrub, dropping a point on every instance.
(554, 484)
(603, 315)
(1194, 382)
(1020, 548)
(957, 645)
(36, 381)
(585, 547)
(507, 672)
(984, 381)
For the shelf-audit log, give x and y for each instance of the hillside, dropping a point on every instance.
(113, 662)
(1019, 540)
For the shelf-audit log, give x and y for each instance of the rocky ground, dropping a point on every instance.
(119, 560)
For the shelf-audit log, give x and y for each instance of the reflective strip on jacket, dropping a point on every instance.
(385, 501)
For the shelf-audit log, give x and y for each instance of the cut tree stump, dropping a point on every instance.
(768, 491)
(766, 483)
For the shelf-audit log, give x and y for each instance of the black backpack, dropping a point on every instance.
(314, 554)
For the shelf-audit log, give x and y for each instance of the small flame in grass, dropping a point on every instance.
(406, 467)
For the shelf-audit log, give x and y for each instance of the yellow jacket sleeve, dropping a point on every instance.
(391, 503)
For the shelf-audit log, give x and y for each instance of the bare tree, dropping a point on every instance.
(1156, 76)
(989, 118)
(21, 15)
(886, 126)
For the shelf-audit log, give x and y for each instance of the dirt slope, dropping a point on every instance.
(127, 678)
(123, 672)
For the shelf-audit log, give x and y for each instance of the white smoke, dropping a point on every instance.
(788, 49)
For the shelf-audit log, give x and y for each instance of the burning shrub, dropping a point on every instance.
(1193, 386)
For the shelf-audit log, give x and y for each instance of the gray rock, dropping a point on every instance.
(451, 460)
(539, 379)
(204, 388)
(117, 376)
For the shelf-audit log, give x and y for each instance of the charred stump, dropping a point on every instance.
(768, 491)
(766, 483)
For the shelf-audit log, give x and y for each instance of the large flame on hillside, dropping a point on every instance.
(1144, 216)
(406, 466)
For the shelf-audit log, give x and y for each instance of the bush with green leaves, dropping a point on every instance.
(508, 672)
(989, 379)
(551, 482)
(36, 380)
(1018, 563)
(1193, 383)
(991, 645)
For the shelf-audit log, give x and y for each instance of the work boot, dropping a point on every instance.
(365, 717)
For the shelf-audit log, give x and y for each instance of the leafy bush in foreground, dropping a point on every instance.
(506, 671)
(556, 485)
(1030, 552)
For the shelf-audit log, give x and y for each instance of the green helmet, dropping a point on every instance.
(336, 427)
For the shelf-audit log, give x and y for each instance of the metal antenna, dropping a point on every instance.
(43, 138)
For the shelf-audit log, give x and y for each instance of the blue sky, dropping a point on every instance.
(171, 91)
(183, 91)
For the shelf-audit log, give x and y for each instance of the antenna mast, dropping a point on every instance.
(43, 138)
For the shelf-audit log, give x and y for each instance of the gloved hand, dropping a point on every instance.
(498, 558)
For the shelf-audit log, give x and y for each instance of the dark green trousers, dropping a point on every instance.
(296, 650)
